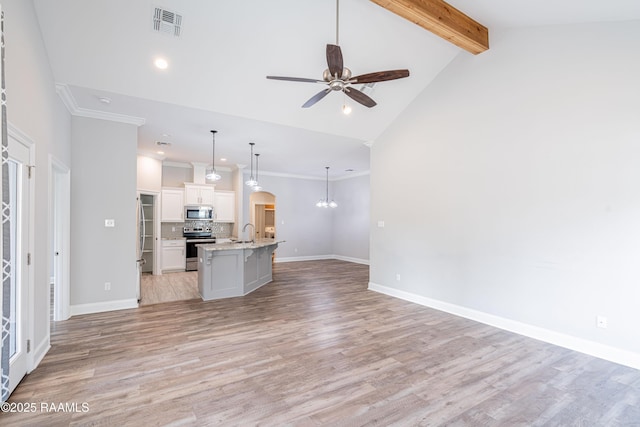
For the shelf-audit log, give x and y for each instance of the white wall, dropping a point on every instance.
(350, 232)
(316, 233)
(176, 176)
(306, 228)
(103, 186)
(35, 109)
(149, 174)
(528, 206)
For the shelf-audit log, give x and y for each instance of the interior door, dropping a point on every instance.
(60, 234)
(259, 218)
(19, 267)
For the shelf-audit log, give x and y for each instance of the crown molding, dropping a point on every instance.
(177, 164)
(72, 106)
(191, 164)
(315, 178)
(152, 155)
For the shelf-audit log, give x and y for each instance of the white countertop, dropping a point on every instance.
(231, 246)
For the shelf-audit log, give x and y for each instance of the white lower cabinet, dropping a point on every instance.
(173, 255)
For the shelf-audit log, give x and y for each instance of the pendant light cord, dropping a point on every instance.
(252, 144)
(327, 199)
(257, 156)
(213, 152)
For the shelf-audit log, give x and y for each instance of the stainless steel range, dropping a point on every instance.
(196, 232)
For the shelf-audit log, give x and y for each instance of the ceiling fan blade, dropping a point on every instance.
(317, 97)
(360, 97)
(334, 60)
(380, 76)
(295, 79)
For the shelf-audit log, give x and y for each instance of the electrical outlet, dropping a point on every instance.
(380, 224)
(107, 286)
(398, 277)
(601, 322)
(173, 229)
(109, 222)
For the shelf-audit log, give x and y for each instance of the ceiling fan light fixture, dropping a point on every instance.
(337, 77)
(346, 108)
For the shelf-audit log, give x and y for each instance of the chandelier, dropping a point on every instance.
(325, 203)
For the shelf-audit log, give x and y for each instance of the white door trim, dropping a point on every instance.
(20, 137)
(60, 236)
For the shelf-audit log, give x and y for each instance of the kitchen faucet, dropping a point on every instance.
(253, 236)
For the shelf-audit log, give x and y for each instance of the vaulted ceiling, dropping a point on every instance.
(217, 68)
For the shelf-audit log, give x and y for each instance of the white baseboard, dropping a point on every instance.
(592, 348)
(350, 259)
(99, 307)
(38, 353)
(303, 258)
(322, 257)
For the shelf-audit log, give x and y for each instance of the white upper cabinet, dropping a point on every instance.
(225, 206)
(198, 194)
(172, 205)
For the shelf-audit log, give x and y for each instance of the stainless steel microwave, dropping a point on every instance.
(195, 212)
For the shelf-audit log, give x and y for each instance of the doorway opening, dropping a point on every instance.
(147, 239)
(262, 214)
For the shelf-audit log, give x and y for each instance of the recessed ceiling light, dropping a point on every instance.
(166, 135)
(223, 159)
(160, 152)
(104, 100)
(161, 63)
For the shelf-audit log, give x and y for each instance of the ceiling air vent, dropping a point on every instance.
(167, 22)
(162, 143)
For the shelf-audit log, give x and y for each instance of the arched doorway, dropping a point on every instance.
(262, 213)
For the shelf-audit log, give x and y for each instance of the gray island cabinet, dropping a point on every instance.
(228, 270)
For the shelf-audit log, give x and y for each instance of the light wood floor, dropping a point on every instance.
(168, 287)
(315, 347)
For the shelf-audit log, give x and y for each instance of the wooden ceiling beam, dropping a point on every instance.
(443, 20)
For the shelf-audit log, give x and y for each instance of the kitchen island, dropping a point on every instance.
(234, 269)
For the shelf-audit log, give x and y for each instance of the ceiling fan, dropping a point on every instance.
(339, 78)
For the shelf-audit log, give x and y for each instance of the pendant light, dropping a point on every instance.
(251, 182)
(325, 203)
(213, 176)
(257, 186)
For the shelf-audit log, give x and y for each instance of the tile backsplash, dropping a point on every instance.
(172, 230)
